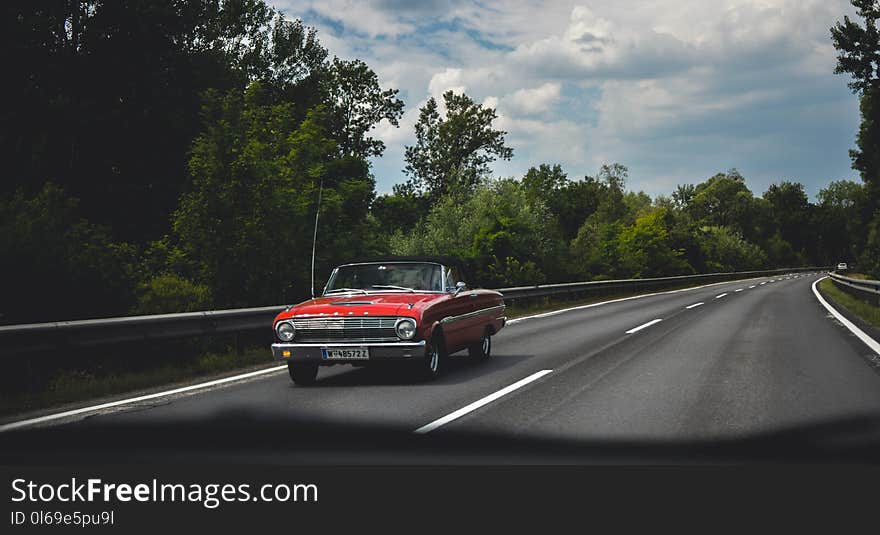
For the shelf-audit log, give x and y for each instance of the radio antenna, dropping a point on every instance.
(315, 235)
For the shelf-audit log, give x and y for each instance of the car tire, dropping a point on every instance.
(431, 365)
(303, 374)
(482, 350)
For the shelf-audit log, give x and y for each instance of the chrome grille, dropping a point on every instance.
(345, 329)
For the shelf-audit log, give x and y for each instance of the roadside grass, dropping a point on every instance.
(861, 276)
(866, 311)
(68, 387)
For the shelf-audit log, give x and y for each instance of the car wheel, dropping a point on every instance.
(303, 374)
(483, 349)
(431, 365)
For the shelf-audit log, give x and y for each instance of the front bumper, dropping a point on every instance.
(300, 352)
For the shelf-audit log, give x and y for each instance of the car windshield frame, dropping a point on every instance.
(373, 290)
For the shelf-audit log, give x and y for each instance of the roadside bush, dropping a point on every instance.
(55, 265)
(645, 249)
(725, 250)
(170, 293)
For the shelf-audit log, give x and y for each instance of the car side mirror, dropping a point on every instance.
(459, 286)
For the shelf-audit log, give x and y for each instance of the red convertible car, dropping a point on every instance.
(409, 310)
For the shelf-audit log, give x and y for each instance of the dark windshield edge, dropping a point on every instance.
(404, 276)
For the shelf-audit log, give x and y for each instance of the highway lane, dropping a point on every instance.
(750, 356)
(749, 362)
(384, 397)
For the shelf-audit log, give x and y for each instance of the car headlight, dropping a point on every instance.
(405, 328)
(285, 331)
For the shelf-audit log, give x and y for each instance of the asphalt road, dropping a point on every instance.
(763, 356)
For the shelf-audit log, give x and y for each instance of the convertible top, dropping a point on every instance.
(437, 259)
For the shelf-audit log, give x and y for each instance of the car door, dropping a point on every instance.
(468, 325)
(487, 307)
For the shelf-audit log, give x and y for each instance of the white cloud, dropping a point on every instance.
(592, 46)
(357, 15)
(677, 90)
(448, 79)
(533, 101)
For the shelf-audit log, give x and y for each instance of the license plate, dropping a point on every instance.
(347, 353)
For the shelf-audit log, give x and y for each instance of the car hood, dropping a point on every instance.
(378, 304)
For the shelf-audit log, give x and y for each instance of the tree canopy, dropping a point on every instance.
(858, 48)
(453, 150)
(167, 155)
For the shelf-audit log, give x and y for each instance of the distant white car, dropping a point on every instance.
(841, 266)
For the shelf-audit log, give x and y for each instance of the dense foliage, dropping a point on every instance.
(168, 155)
(859, 56)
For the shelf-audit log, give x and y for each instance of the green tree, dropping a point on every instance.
(107, 97)
(637, 204)
(611, 181)
(683, 195)
(453, 151)
(256, 173)
(780, 253)
(570, 201)
(398, 212)
(724, 201)
(858, 49)
(645, 248)
(56, 265)
(357, 105)
(595, 251)
(838, 221)
(726, 250)
(683, 233)
(503, 233)
(791, 215)
(286, 56)
(574, 203)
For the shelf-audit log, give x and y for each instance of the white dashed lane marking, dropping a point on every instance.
(643, 326)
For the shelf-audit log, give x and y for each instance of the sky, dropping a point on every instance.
(676, 90)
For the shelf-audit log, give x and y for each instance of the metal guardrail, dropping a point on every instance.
(18, 339)
(548, 290)
(867, 289)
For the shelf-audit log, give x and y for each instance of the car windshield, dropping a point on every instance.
(386, 277)
(587, 222)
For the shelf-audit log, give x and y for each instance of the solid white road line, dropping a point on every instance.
(93, 408)
(870, 342)
(695, 305)
(720, 296)
(480, 402)
(738, 290)
(643, 326)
